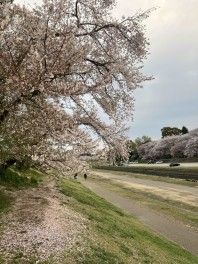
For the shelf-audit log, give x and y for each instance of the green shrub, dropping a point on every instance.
(10, 177)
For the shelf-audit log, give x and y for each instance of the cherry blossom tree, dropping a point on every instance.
(173, 146)
(145, 151)
(191, 148)
(63, 65)
(163, 148)
(177, 149)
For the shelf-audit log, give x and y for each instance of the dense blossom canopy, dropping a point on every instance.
(63, 65)
(174, 146)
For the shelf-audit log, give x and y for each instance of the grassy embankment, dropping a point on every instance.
(117, 237)
(12, 179)
(180, 211)
(114, 237)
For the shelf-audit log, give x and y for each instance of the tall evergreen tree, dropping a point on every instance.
(184, 130)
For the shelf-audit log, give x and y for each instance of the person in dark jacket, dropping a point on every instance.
(85, 176)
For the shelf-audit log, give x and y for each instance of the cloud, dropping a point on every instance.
(171, 99)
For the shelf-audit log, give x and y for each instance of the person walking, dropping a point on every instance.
(85, 176)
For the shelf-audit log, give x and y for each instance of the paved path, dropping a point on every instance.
(171, 229)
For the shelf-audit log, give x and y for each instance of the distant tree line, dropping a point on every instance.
(176, 146)
(173, 131)
(133, 146)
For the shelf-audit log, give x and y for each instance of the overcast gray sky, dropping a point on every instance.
(172, 98)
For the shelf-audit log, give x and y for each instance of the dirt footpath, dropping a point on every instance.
(171, 229)
(39, 226)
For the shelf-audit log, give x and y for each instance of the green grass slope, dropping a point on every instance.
(117, 237)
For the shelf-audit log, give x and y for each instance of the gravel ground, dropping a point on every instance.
(40, 226)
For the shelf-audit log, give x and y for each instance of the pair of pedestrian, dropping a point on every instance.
(76, 175)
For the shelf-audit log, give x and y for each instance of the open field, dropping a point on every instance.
(170, 191)
(180, 172)
(176, 197)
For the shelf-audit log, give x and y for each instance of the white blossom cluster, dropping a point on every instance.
(62, 64)
(173, 146)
